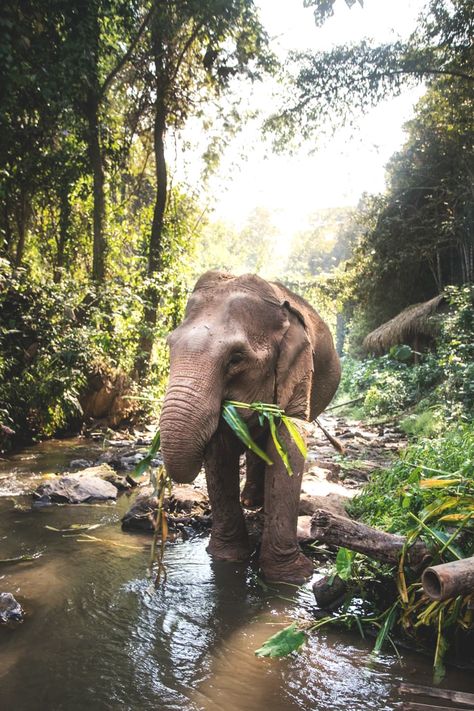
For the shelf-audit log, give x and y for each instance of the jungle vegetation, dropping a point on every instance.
(100, 243)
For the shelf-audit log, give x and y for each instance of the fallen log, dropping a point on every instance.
(346, 533)
(441, 582)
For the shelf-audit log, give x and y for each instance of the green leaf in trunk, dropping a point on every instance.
(240, 429)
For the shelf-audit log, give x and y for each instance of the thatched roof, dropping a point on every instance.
(416, 321)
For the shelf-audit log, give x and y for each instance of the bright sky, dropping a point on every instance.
(333, 174)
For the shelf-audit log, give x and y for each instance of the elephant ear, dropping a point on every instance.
(294, 370)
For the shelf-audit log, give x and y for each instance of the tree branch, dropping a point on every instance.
(126, 57)
(434, 72)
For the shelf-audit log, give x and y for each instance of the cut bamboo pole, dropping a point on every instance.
(441, 582)
(415, 706)
(462, 698)
(327, 527)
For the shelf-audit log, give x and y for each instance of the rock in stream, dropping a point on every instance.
(87, 486)
(10, 609)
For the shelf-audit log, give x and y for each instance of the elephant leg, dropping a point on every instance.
(281, 559)
(253, 492)
(229, 538)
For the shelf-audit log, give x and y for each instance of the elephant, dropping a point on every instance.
(247, 339)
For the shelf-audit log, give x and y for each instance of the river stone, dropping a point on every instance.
(104, 471)
(184, 499)
(79, 488)
(139, 517)
(10, 609)
(335, 503)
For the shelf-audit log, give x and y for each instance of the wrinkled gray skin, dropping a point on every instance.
(246, 339)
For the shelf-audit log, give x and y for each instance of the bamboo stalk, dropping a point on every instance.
(414, 706)
(462, 698)
(441, 582)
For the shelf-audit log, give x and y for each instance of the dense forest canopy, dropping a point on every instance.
(100, 242)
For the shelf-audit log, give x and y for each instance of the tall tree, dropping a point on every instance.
(196, 48)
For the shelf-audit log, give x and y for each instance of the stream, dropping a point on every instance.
(96, 637)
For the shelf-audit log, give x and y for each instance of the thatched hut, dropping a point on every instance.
(417, 326)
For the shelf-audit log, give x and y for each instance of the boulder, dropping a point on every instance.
(10, 609)
(79, 488)
(106, 472)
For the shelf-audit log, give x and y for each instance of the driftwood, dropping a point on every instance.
(334, 441)
(386, 547)
(441, 582)
(461, 698)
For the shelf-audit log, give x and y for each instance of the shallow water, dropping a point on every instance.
(95, 636)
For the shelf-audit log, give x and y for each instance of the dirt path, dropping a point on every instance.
(334, 477)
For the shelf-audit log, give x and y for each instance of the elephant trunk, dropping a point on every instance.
(189, 418)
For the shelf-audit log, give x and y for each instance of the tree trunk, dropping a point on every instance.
(386, 547)
(155, 247)
(22, 219)
(97, 169)
(64, 221)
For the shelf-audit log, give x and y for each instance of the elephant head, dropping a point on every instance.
(241, 339)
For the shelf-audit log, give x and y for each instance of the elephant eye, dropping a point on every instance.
(236, 358)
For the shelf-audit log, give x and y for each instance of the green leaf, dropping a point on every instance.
(240, 429)
(295, 434)
(401, 353)
(441, 648)
(344, 560)
(282, 643)
(142, 467)
(155, 444)
(280, 446)
(386, 628)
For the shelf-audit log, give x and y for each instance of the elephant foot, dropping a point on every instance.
(296, 570)
(232, 551)
(252, 494)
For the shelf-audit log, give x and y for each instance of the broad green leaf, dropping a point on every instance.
(344, 560)
(402, 353)
(282, 643)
